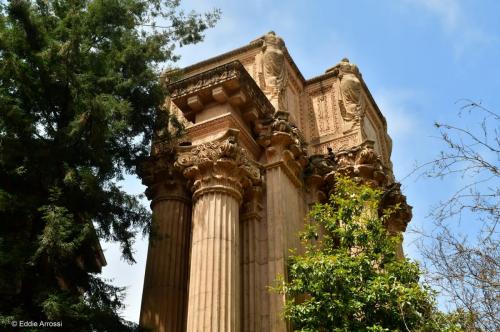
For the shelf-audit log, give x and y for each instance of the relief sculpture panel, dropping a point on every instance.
(323, 113)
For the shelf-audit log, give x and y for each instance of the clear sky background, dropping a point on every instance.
(417, 57)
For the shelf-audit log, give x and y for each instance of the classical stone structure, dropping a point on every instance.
(263, 144)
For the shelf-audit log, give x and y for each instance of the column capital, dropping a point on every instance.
(220, 165)
(284, 145)
(162, 178)
(364, 164)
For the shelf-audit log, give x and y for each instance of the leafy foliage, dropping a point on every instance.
(349, 277)
(79, 95)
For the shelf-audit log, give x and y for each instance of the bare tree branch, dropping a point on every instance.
(466, 267)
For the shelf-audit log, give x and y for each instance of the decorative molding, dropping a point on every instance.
(163, 179)
(233, 73)
(205, 128)
(337, 144)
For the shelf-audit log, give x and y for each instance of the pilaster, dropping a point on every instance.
(285, 160)
(252, 281)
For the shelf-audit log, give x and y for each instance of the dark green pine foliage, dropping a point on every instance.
(79, 92)
(349, 278)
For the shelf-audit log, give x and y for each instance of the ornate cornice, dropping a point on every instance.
(253, 45)
(232, 77)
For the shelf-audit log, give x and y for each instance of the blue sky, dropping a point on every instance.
(418, 58)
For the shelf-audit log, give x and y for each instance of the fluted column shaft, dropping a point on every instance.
(164, 298)
(277, 241)
(214, 301)
(251, 257)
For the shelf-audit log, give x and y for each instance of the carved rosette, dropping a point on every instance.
(220, 165)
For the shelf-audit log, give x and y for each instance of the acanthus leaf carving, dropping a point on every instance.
(161, 177)
(220, 163)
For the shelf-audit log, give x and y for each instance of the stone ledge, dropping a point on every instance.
(226, 83)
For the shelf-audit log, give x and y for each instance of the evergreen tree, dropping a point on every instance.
(349, 277)
(79, 94)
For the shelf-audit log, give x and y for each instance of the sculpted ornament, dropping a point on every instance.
(351, 101)
(280, 124)
(394, 198)
(274, 70)
(221, 164)
(162, 178)
(363, 163)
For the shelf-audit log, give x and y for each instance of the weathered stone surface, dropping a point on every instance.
(263, 144)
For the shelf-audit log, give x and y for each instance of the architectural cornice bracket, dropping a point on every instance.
(226, 83)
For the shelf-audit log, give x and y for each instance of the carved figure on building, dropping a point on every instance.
(274, 70)
(351, 102)
(230, 197)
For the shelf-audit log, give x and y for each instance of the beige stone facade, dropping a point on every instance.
(262, 145)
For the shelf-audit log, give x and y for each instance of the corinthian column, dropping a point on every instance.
(220, 172)
(164, 296)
